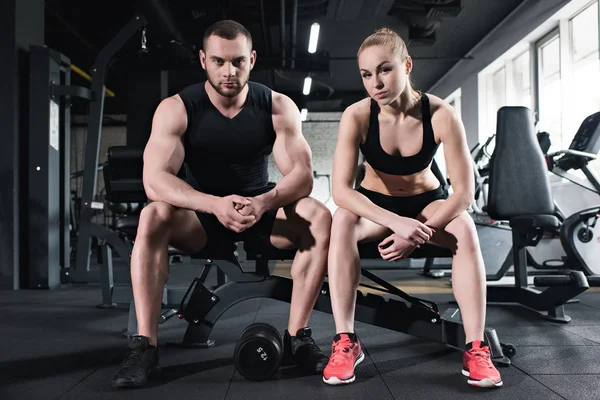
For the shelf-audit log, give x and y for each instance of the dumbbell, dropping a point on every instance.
(258, 352)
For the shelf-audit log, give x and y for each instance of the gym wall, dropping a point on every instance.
(322, 138)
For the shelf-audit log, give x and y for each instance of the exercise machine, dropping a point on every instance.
(580, 232)
(482, 154)
(519, 192)
(89, 206)
(573, 235)
(48, 188)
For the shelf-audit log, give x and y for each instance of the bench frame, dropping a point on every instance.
(202, 307)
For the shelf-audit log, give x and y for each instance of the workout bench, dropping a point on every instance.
(201, 307)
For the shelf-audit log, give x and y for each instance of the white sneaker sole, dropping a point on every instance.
(484, 383)
(336, 381)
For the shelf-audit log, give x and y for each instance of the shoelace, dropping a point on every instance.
(133, 356)
(482, 357)
(341, 348)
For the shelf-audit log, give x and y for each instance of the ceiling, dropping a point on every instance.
(438, 33)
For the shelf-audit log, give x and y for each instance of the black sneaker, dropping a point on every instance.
(140, 362)
(302, 350)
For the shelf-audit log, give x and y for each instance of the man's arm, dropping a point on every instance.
(458, 162)
(163, 158)
(292, 156)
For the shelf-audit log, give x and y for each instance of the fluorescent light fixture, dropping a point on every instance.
(304, 114)
(314, 37)
(307, 83)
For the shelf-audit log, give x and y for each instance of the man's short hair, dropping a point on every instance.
(226, 29)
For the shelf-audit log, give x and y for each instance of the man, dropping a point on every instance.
(225, 130)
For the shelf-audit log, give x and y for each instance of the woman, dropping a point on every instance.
(400, 201)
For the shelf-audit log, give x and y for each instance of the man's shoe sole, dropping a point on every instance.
(334, 380)
(132, 385)
(290, 361)
(484, 383)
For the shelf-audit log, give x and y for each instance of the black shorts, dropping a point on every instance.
(405, 206)
(221, 237)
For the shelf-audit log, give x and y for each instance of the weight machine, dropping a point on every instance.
(48, 225)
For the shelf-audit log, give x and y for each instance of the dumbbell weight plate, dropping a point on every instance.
(258, 352)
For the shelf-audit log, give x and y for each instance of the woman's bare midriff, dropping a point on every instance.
(399, 185)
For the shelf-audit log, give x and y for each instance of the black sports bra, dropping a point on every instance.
(399, 165)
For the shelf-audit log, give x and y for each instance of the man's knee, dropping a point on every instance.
(321, 219)
(311, 224)
(316, 214)
(155, 218)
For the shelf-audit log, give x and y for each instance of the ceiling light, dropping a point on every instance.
(304, 114)
(307, 84)
(314, 37)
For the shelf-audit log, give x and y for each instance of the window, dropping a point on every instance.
(496, 98)
(550, 90)
(586, 70)
(499, 88)
(584, 31)
(506, 82)
(554, 70)
(522, 81)
(455, 101)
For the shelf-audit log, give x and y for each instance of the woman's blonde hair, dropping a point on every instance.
(387, 37)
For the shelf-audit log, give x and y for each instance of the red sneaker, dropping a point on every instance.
(478, 366)
(346, 354)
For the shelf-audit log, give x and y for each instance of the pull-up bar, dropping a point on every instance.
(88, 78)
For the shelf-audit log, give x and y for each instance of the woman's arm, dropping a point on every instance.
(459, 165)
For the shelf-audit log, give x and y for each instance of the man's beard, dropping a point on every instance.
(228, 92)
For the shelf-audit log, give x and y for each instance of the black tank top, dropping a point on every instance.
(398, 165)
(229, 155)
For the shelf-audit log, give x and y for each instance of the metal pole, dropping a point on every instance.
(92, 145)
(294, 32)
(65, 151)
(282, 33)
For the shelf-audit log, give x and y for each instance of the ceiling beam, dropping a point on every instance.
(344, 10)
(381, 7)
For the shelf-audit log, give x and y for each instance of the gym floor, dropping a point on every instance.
(59, 345)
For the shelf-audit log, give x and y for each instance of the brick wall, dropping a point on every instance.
(321, 135)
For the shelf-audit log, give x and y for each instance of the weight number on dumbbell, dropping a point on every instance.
(264, 355)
